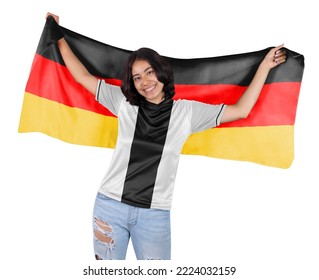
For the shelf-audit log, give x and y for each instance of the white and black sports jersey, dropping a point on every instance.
(150, 138)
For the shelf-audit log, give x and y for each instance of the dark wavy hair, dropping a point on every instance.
(161, 67)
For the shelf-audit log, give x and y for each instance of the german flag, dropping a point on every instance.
(55, 104)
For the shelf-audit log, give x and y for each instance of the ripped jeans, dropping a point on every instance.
(114, 223)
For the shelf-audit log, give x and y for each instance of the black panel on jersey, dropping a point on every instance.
(146, 152)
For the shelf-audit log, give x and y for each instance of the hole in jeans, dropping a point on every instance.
(104, 233)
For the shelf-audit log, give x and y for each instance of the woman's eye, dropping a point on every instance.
(136, 79)
(150, 72)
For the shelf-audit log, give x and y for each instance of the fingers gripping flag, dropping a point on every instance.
(55, 104)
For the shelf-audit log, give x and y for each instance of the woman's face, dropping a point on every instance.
(146, 83)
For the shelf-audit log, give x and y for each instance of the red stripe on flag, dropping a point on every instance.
(276, 105)
(53, 81)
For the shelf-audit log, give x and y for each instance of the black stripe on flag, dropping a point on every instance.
(107, 61)
(146, 152)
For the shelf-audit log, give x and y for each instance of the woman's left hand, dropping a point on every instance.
(275, 57)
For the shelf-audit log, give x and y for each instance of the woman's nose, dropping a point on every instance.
(144, 80)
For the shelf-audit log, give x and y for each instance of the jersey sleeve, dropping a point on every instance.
(109, 96)
(205, 116)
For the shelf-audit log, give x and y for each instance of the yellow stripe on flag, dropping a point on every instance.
(267, 145)
(73, 125)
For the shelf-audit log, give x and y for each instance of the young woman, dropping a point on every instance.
(135, 195)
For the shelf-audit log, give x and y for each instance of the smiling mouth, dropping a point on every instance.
(149, 89)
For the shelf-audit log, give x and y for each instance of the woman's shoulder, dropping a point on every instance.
(183, 104)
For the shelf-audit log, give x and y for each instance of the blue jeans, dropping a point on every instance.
(114, 223)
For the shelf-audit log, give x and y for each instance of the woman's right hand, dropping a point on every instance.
(56, 18)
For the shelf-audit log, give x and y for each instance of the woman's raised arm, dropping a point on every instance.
(247, 101)
(74, 65)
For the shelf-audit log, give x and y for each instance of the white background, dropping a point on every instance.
(260, 219)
